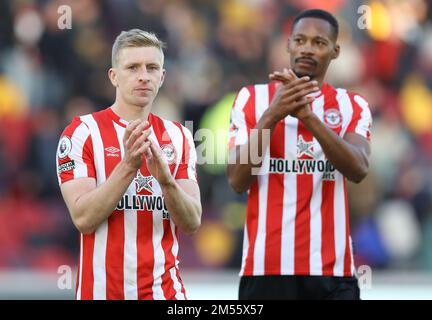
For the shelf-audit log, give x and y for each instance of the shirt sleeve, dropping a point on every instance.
(187, 166)
(74, 156)
(361, 121)
(240, 123)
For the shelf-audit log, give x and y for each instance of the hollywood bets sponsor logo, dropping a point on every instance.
(303, 166)
(144, 203)
(305, 162)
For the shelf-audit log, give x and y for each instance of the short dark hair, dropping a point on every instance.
(319, 14)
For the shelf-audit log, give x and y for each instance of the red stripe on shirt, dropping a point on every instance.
(249, 110)
(167, 244)
(145, 253)
(347, 256)
(253, 202)
(252, 227)
(357, 110)
(177, 269)
(328, 249)
(303, 214)
(70, 129)
(167, 238)
(114, 260)
(272, 262)
(145, 248)
(182, 171)
(328, 253)
(87, 267)
(181, 282)
(88, 157)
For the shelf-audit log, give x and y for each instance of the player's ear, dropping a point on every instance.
(336, 51)
(162, 77)
(113, 77)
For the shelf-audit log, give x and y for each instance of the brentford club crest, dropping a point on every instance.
(333, 118)
(170, 153)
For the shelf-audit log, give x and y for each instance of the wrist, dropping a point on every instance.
(305, 116)
(167, 183)
(127, 169)
(268, 119)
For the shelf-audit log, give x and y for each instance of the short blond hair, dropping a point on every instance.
(135, 38)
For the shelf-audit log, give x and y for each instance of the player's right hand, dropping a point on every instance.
(136, 142)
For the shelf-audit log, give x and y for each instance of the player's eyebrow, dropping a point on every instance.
(153, 64)
(301, 35)
(322, 38)
(132, 64)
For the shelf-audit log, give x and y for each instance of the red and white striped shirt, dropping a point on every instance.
(297, 215)
(134, 253)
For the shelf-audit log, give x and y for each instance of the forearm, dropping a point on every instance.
(183, 208)
(249, 156)
(94, 207)
(345, 157)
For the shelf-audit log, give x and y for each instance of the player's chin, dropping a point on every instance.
(142, 101)
(303, 73)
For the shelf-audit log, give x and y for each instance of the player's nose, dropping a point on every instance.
(144, 76)
(307, 49)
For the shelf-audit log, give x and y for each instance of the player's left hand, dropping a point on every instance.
(157, 164)
(285, 77)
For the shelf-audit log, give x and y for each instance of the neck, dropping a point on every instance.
(320, 81)
(130, 112)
